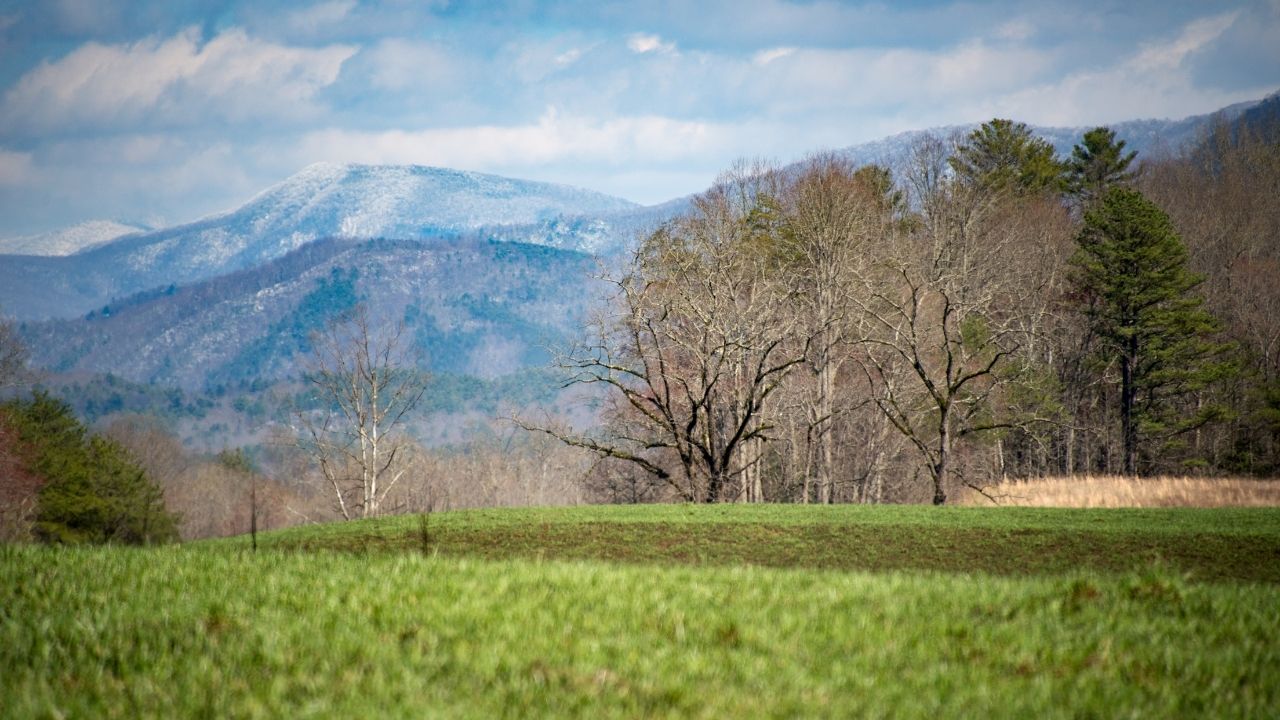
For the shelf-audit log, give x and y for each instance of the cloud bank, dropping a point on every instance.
(153, 111)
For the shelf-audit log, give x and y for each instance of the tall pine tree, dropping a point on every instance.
(1004, 155)
(1131, 274)
(1097, 163)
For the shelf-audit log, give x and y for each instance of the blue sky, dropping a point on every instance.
(163, 111)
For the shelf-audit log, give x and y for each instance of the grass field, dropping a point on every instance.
(663, 611)
(1217, 544)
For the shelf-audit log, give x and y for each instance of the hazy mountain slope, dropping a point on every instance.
(68, 240)
(1262, 120)
(472, 307)
(321, 201)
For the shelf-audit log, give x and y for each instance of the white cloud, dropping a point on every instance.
(641, 44)
(534, 60)
(185, 122)
(554, 138)
(397, 64)
(571, 56)
(764, 57)
(174, 81)
(15, 167)
(1018, 29)
(1170, 55)
(809, 81)
(1154, 82)
(318, 17)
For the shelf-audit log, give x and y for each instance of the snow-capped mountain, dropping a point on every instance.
(68, 241)
(324, 200)
(409, 201)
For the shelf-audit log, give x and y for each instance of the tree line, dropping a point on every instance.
(830, 332)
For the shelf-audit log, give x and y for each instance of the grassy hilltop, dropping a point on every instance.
(663, 611)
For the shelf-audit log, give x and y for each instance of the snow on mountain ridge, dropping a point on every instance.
(70, 240)
(324, 200)
(396, 200)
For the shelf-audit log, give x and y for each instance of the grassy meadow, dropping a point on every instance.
(668, 611)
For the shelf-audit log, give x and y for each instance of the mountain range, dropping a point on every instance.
(485, 272)
(472, 307)
(321, 201)
(53, 280)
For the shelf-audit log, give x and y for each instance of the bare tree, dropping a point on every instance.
(833, 212)
(699, 343)
(13, 356)
(19, 487)
(364, 384)
(944, 316)
(153, 446)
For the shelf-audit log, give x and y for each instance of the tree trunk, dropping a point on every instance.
(715, 485)
(826, 407)
(941, 467)
(1071, 449)
(1128, 396)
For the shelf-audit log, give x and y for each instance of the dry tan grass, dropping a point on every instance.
(1095, 491)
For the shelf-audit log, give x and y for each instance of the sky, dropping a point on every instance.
(159, 112)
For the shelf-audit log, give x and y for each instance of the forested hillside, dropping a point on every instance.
(474, 307)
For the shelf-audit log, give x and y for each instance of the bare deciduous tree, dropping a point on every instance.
(833, 213)
(364, 384)
(698, 345)
(944, 317)
(13, 356)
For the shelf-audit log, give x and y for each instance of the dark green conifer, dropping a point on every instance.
(93, 492)
(1097, 163)
(1003, 155)
(1132, 277)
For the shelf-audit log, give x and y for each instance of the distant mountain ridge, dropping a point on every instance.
(485, 272)
(472, 307)
(1149, 137)
(415, 203)
(407, 201)
(69, 241)
(323, 200)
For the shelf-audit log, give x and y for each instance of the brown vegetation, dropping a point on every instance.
(1110, 491)
(19, 488)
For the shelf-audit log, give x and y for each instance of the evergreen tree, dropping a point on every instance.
(1132, 276)
(1098, 163)
(1003, 155)
(93, 491)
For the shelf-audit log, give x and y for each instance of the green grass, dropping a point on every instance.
(1225, 544)
(332, 621)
